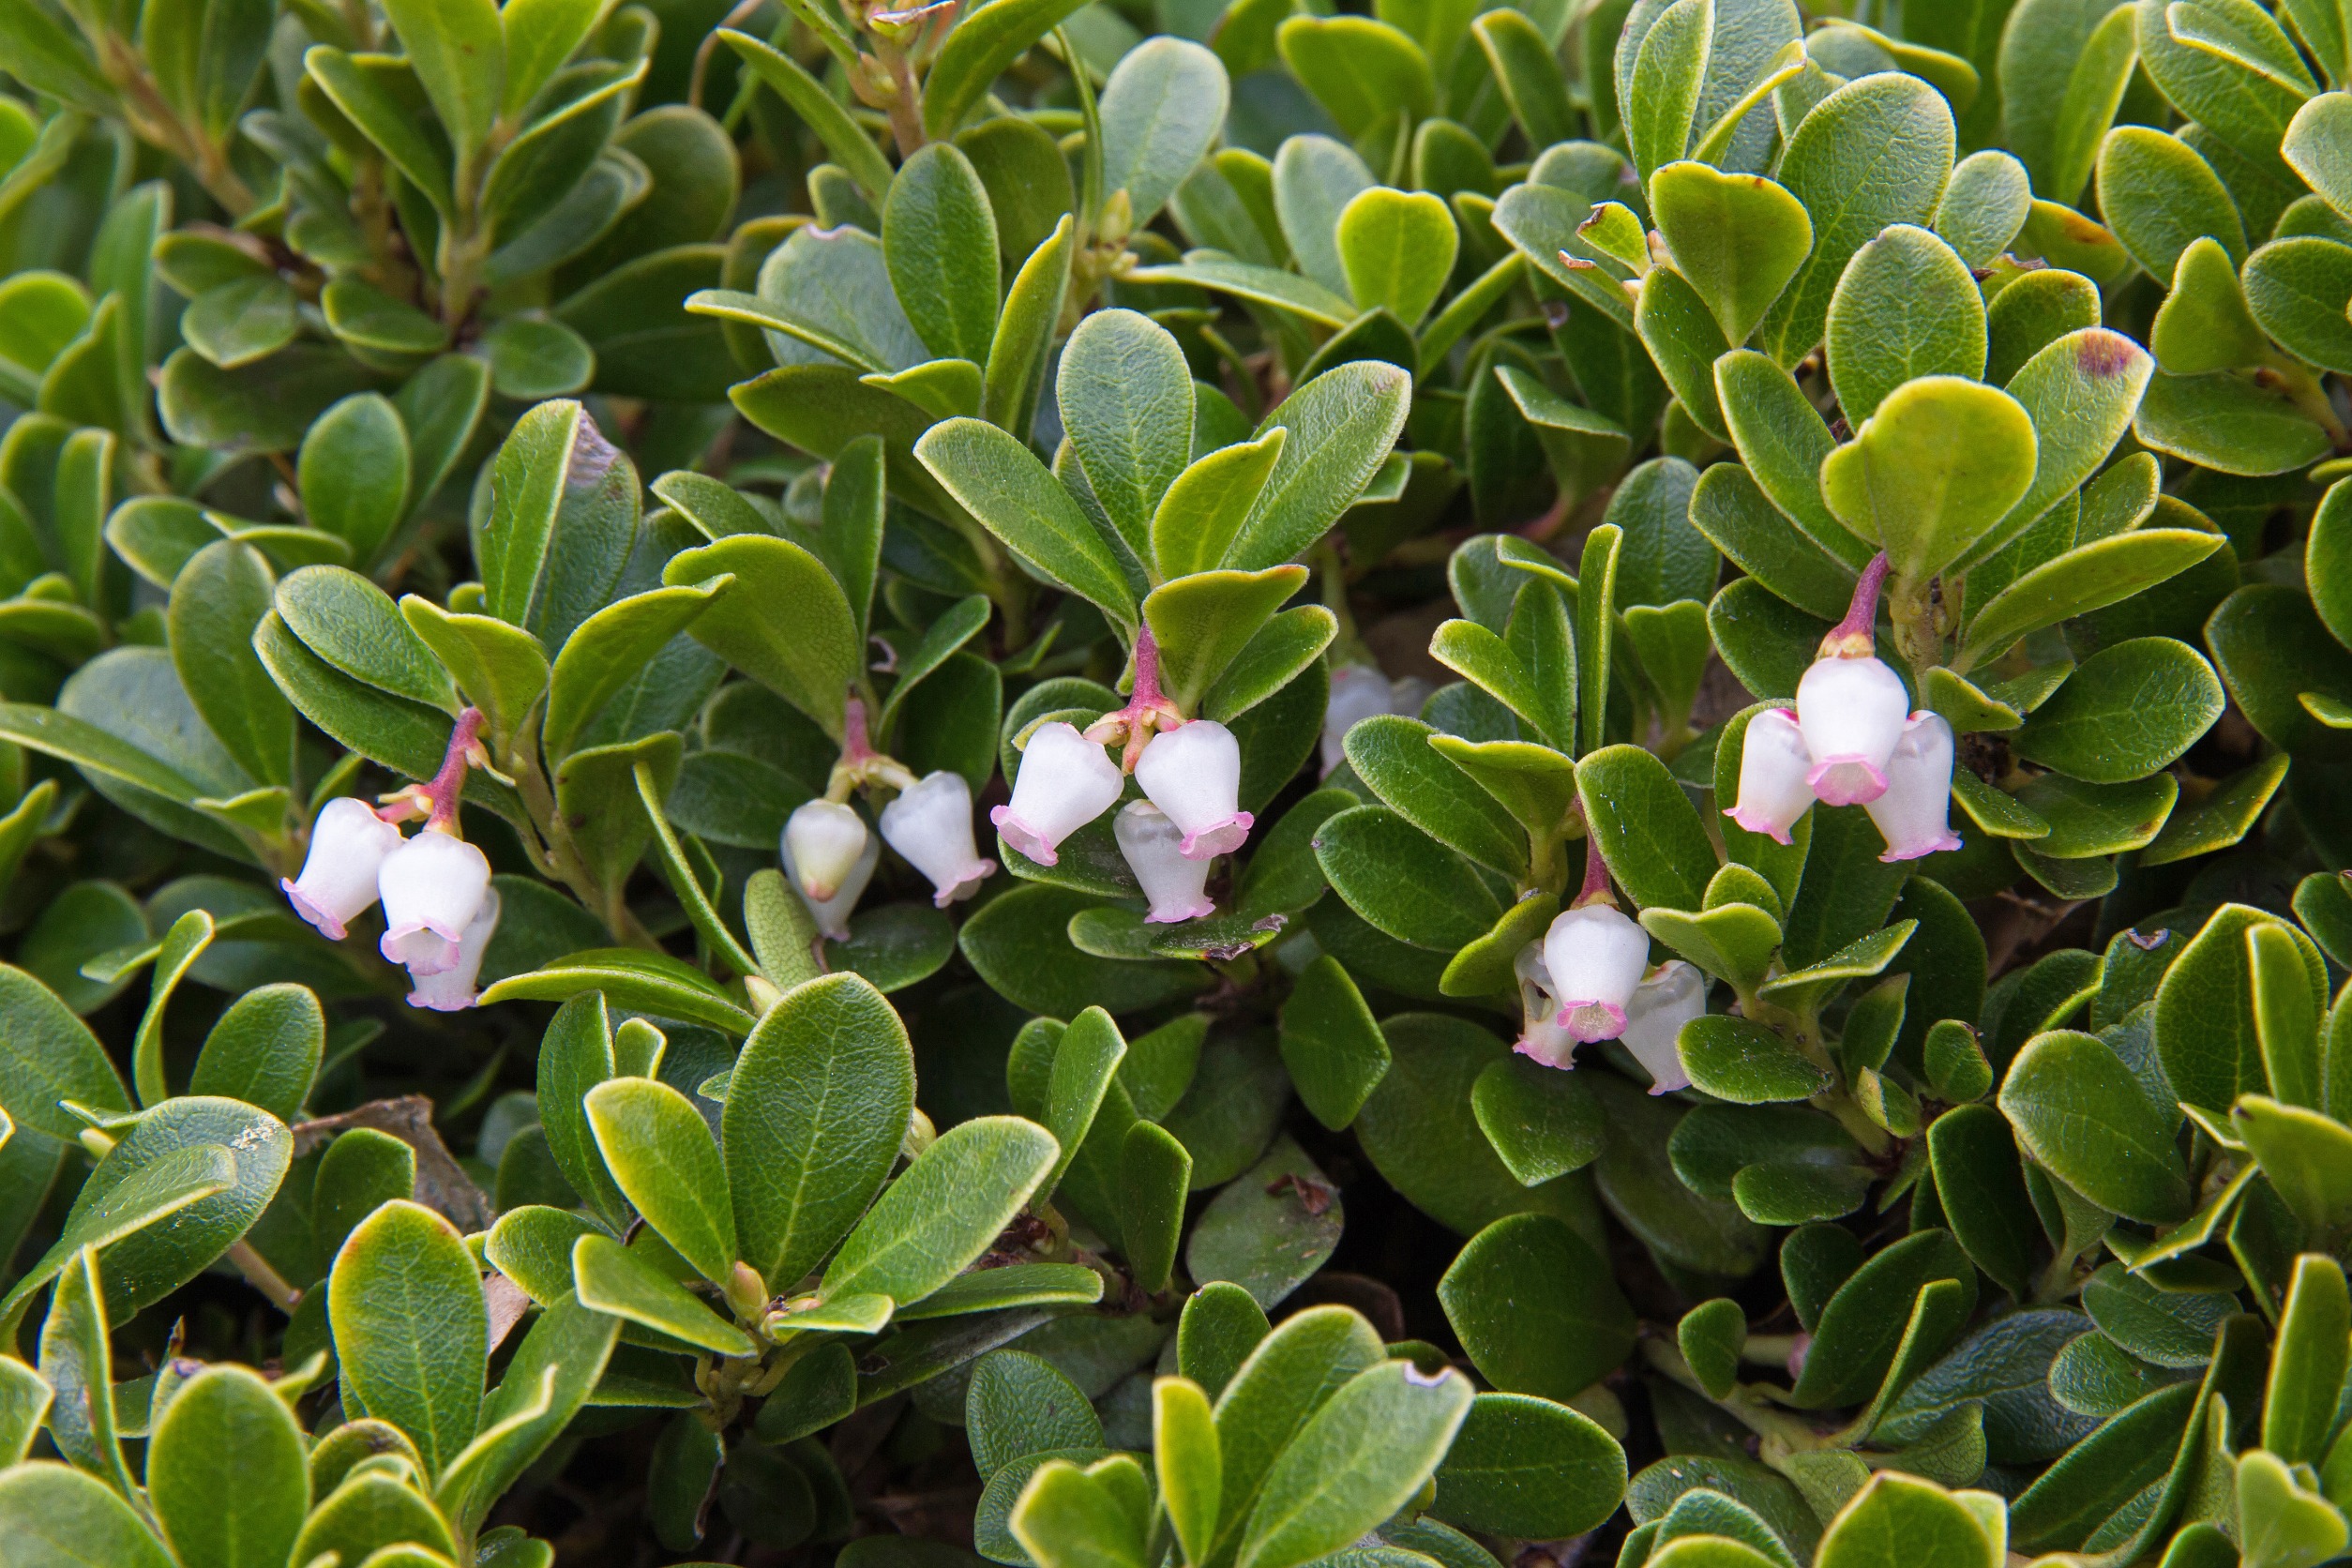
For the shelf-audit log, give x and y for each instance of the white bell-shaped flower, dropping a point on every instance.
(832, 912)
(1670, 997)
(1915, 813)
(824, 841)
(1194, 773)
(348, 844)
(1774, 764)
(456, 989)
(1065, 781)
(1358, 692)
(1155, 849)
(432, 886)
(1852, 711)
(1541, 1038)
(930, 825)
(1596, 956)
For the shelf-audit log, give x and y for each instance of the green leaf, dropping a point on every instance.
(2126, 711)
(53, 1058)
(1333, 1050)
(1204, 621)
(1396, 757)
(1904, 1519)
(2206, 1025)
(2079, 1110)
(844, 141)
(1536, 1308)
(1362, 71)
(1529, 1467)
(1405, 883)
(1219, 1326)
(547, 1380)
(975, 56)
(1189, 1464)
(58, 1515)
(2228, 421)
(1660, 95)
(1736, 238)
(1931, 474)
(459, 52)
(1541, 1123)
(562, 521)
(1874, 152)
(2090, 577)
(353, 473)
(611, 649)
(1127, 395)
(1270, 663)
(411, 1332)
(2157, 196)
(1154, 1176)
(1195, 522)
(614, 1280)
(1095, 1518)
(1342, 426)
(1271, 1229)
(2304, 1155)
(1001, 483)
(1983, 206)
(939, 236)
(2314, 1329)
(217, 600)
(944, 1210)
(1586, 449)
(227, 1473)
(2291, 287)
(1905, 306)
(1648, 830)
(1162, 109)
(815, 1112)
(501, 669)
(1730, 510)
(812, 666)
(1747, 1063)
(660, 1150)
(1862, 1326)
(1397, 249)
(1353, 1464)
(1015, 369)
(354, 625)
(1677, 327)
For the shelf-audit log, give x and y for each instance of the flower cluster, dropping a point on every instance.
(1189, 770)
(439, 909)
(1591, 979)
(1851, 740)
(830, 856)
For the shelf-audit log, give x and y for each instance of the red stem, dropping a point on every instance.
(1855, 635)
(1147, 670)
(855, 747)
(1596, 888)
(449, 783)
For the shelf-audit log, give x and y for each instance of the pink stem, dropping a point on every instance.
(449, 783)
(1147, 670)
(1856, 635)
(855, 747)
(1596, 888)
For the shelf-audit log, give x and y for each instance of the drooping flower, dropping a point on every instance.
(1595, 956)
(1773, 766)
(433, 885)
(455, 988)
(1668, 997)
(1065, 781)
(1194, 773)
(823, 841)
(1541, 1038)
(1175, 884)
(1850, 706)
(829, 864)
(930, 825)
(348, 846)
(1915, 812)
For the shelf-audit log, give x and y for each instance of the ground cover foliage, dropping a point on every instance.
(1171, 782)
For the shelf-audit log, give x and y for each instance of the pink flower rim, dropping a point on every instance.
(1027, 839)
(328, 925)
(1222, 836)
(1577, 1018)
(1776, 831)
(1947, 840)
(1835, 785)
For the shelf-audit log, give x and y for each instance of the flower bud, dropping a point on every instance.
(1153, 848)
(454, 989)
(1671, 996)
(1774, 764)
(1540, 1039)
(1194, 773)
(348, 844)
(433, 885)
(1915, 813)
(930, 825)
(1596, 956)
(1852, 711)
(824, 838)
(1358, 692)
(1065, 781)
